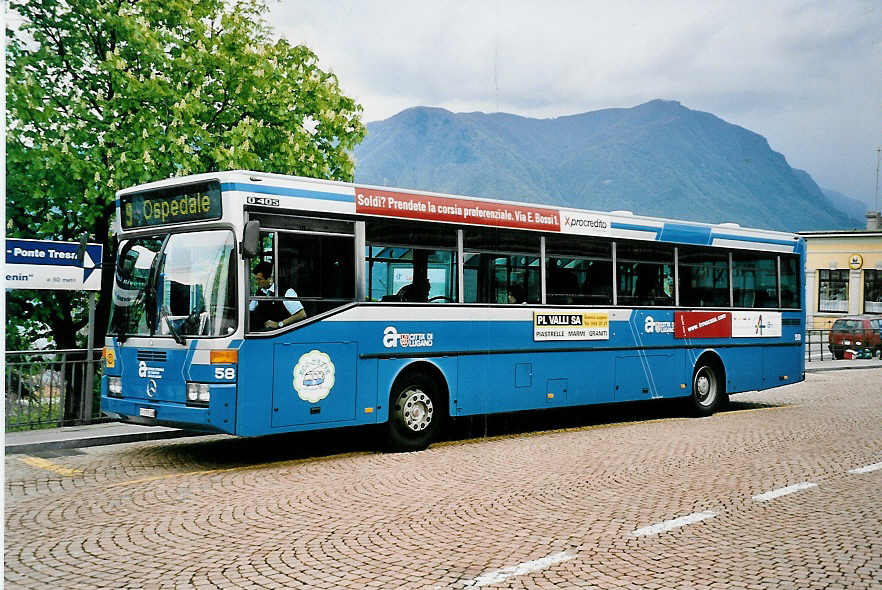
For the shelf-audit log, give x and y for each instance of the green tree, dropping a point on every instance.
(105, 94)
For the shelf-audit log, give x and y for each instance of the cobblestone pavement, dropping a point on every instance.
(606, 502)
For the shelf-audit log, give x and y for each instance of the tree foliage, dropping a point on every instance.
(105, 94)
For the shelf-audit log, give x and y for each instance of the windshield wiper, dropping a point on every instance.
(171, 327)
(122, 336)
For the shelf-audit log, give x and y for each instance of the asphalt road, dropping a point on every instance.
(780, 491)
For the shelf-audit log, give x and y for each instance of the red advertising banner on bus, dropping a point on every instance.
(702, 324)
(383, 202)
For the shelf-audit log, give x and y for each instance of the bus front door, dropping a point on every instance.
(313, 383)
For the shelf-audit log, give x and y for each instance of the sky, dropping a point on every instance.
(806, 75)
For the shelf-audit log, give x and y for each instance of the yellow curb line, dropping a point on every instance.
(50, 466)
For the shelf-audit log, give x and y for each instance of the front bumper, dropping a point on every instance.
(219, 416)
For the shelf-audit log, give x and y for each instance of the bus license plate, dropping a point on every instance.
(147, 412)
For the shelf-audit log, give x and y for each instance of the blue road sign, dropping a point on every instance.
(41, 264)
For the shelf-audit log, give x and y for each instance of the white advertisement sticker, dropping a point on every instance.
(585, 224)
(756, 324)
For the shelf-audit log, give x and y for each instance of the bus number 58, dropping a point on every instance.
(228, 373)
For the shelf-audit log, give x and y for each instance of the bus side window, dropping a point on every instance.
(316, 270)
(578, 271)
(410, 262)
(704, 277)
(755, 279)
(645, 274)
(501, 266)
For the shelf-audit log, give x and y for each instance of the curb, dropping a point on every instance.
(95, 441)
(823, 369)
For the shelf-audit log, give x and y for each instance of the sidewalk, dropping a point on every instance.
(834, 365)
(111, 433)
(90, 435)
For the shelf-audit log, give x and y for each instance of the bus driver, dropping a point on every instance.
(272, 315)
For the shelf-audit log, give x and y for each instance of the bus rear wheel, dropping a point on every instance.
(414, 415)
(707, 394)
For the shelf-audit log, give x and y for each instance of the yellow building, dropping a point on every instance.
(843, 274)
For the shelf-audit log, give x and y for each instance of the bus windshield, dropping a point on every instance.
(179, 285)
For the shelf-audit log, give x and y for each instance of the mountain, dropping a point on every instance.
(854, 208)
(659, 158)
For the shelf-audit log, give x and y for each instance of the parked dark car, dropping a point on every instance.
(856, 333)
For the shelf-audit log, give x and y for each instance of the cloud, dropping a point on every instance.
(804, 74)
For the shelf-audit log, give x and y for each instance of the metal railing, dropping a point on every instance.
(46, 388)
(817, 344)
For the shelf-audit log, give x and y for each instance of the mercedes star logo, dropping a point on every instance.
(151, 388)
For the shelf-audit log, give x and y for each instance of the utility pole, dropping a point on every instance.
(876, 191)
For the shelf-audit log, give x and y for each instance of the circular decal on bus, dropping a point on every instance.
(313, 376)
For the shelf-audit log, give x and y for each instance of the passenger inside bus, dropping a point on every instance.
(516, 294)
(414, 293)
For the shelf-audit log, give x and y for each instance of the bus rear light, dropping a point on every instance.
(224, 357)
(114, 386)
(109, 356)
(198, 394)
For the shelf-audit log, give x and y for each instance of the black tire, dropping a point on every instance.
(838, 354)
(414, 413)
(707, 390)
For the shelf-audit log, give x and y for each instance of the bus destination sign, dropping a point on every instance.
(195, 202)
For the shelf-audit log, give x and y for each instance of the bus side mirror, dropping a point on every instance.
(251, 240)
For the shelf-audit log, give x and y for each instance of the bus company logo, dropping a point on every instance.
(392, 339)
(650, 326)
(149, 372)
(313, 376)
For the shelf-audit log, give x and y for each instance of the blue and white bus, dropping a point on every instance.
(251, 304)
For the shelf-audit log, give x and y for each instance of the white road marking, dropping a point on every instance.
(771, 495)
(672, 524)
(866, 468)
(496, 576)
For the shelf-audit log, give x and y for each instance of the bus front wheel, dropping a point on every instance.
(413, 414)
(707, 394)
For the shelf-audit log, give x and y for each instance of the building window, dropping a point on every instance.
(873, 291)
(833, 290)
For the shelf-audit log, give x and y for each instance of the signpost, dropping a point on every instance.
(43, 264)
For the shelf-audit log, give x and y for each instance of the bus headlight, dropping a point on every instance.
(198, 394)
(114, 386)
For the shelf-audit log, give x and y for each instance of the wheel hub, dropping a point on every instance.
(416, 409)
(705, 387)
